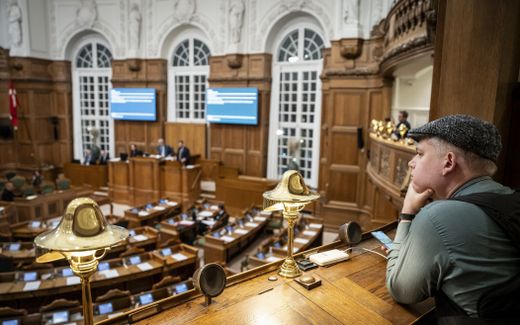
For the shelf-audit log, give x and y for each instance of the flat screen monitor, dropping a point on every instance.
(66, 272)
(105, 308)
(232, 105)
(14, 247)
(30, 276)
(11, 322)
(133, 104)
(166, 251)
(181, 288)
(135, 260)
(145, 299)
(103, 266)
(60, 316)
(35, 224)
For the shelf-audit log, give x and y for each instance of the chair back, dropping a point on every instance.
(18, 181)
(63, 183)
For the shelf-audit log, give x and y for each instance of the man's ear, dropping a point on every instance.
(450, 161)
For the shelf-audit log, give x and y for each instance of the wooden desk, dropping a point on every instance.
(223, 248)
(19, 252)
(144, 179)
(119, 182)
(145, 237)
(45, 206)
(178, 229)
(151, 213)
(80, 175)
(240, 193)
(352, 292)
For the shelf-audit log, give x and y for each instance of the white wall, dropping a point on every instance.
(412, 90)
(49, 26)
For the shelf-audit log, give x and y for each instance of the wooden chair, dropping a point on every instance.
(47, 187)
(166, 281)
(113, 294)
(132, 251)
(18, 182)
(11, 312)
(63, 183)
(60, 304)
(170, 242)
(37, 266)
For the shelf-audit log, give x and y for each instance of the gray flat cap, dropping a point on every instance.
(466, 132)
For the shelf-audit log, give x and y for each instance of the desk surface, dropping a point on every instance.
(352, 292)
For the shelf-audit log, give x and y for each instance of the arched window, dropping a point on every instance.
(188, 74)
(92, 71)
(296, 105)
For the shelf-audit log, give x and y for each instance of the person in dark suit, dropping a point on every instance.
(36, 179)
(163, 149)
(103, 157)
(183, 153)
(8, 192)
(403, 120)
(134, 152)
(88, 158)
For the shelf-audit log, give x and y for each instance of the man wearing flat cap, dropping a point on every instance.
(451, 249)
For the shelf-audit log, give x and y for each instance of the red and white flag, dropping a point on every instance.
(13, 106)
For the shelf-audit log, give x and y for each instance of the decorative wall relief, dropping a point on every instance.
(183, 10)
(86, 14)
(15, 24)
(385, 163)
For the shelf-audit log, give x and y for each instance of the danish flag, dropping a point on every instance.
(13, 106)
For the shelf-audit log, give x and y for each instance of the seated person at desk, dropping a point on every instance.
(88, 158)
(163, 149)
(36, 179)
(403, 120)
(8, 192)
(451, 249)
(183, 153)
(134, 152)
(103, 157)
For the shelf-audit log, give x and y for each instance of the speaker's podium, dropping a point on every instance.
(141, 179)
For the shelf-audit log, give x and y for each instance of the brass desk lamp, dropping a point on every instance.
(82, 237)
(290, 196)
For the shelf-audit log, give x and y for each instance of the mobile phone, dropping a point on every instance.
(383, 238)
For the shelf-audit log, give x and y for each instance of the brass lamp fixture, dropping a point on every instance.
(290, 196)
(83, 236)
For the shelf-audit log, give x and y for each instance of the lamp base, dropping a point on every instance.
(290, 269)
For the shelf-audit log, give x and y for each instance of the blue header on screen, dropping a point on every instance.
(232, 105)
(133, 104)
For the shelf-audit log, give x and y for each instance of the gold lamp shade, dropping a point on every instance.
(83, 236)
(290, 191)
(290, 196)
(82, 228)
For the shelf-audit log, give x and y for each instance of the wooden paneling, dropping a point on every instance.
(243, 147)
(171, 180)
(353, 94)
(44, 92)
(476, 64)
(136, 73)
(79, 175)
(144, 185)
(386, 173)
(242, 192)
(193, 135)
